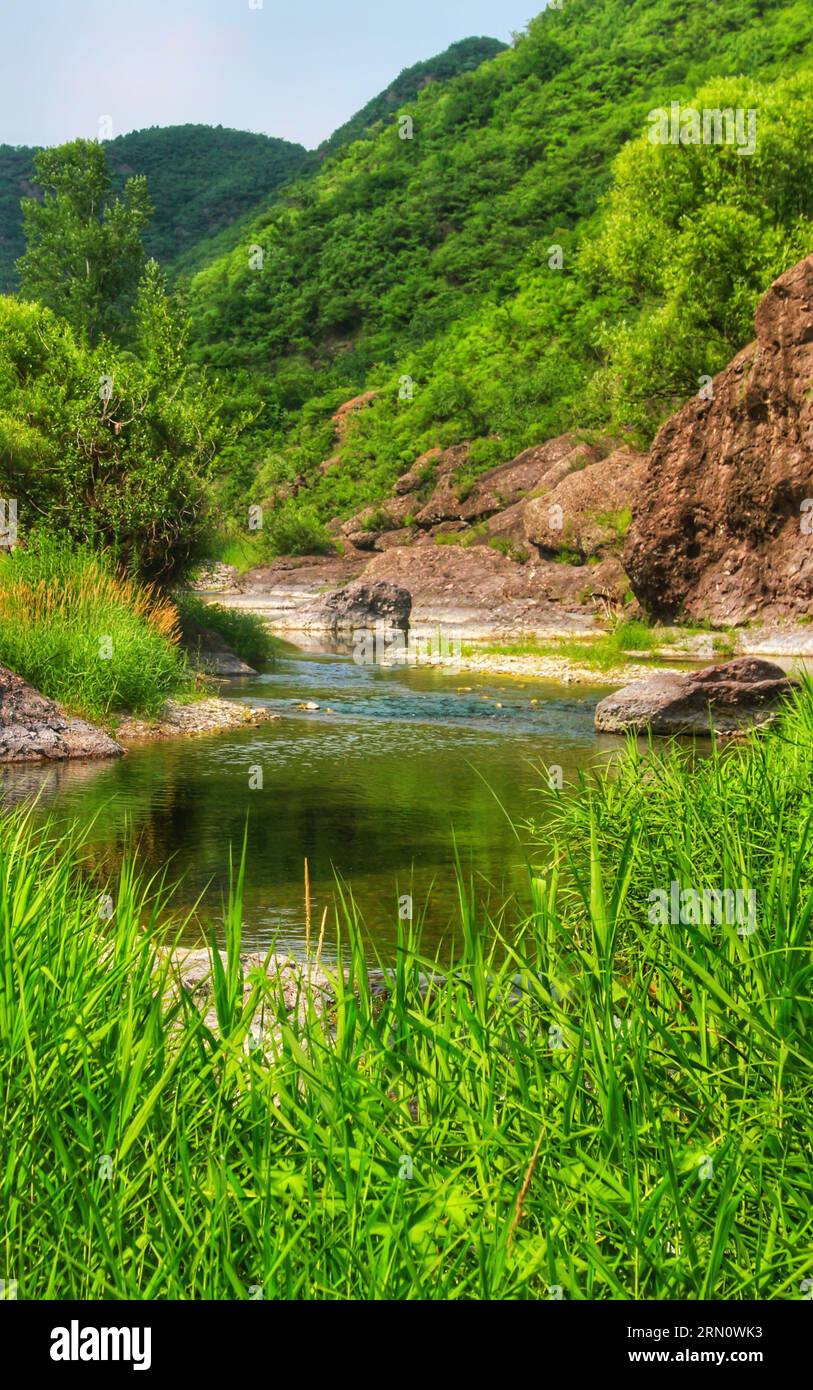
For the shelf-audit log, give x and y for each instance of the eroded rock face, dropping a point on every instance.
(732, 696)
(35, 729)
(717, 530)
(591, 507)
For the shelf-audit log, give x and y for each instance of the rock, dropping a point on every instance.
(540, 468)
(296, 983)
(734, 695)
(344, 415)
(415, 477)
(365, 529)
(717, 530)
(361, 605)
(196, 718)
(477, 589)
(218, 579)
(592, 506)
(34, 728)
(210, 653)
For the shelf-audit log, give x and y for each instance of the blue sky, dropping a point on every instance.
(294, 68)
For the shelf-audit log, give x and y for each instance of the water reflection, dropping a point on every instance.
(408, 765)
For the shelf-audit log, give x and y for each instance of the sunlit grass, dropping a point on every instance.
(583, 1100)
(87, 635)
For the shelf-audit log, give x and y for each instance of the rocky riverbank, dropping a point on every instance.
(713, 525)
(196, 719)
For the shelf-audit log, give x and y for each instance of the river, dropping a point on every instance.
(412, 766)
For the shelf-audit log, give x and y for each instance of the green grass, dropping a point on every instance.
(583, 1101)
(603, 653)
(243, 552)
(246, 633)
(86, 635)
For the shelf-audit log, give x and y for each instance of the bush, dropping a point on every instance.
(86, 635)
(100, 446)
(295, 529)
(246, 633)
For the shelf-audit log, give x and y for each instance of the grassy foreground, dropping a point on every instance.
(592, 1106)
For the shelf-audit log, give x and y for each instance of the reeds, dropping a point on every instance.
(582, 1103)
(89, 636)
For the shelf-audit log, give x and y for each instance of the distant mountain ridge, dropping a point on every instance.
(204, 181)
(200, 179)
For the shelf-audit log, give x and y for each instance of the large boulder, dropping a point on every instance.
(732, 696)
(361, 605)
(590, 510)
(35, 729)
(720, 529)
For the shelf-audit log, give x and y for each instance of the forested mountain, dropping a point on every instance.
(201, 179)
(471, 274)
(16, 172)
(204, 180)
(460, 57)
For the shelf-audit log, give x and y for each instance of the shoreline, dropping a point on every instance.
(195, 720)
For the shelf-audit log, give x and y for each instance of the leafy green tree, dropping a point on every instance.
(101, 446)
(85, 252)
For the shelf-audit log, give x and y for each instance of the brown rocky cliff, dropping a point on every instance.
(717, 528)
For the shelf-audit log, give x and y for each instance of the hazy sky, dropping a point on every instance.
(295, 68)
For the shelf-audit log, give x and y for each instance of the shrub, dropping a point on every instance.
(295, 529)
(246, 633)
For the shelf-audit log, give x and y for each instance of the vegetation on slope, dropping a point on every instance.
(428, 268)
(464, 56)
(204, 181)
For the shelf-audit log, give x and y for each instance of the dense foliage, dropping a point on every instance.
(98, 443)
(201, 180)
(435, 258)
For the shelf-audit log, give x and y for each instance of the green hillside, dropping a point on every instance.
(205, 181)
(201, 180)
(464, 56)
(428, 257)
(16, 171)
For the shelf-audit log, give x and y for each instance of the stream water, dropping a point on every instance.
(412, 766)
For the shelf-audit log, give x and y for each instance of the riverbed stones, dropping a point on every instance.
(295, 986)
(35, 729)
(196, 719)
(733, 696)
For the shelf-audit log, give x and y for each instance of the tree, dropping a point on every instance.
(102, 447)
(85, 253)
